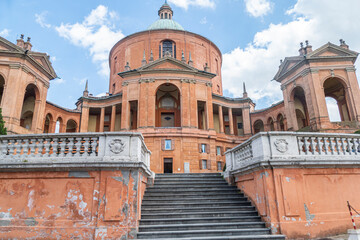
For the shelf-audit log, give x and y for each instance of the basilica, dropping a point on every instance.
(166, 83)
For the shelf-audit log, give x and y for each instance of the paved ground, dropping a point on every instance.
(338, 237)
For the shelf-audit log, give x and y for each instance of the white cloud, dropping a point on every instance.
(40, 19)
(256, 64)
(101, 95)
(203, 20)
(96, 33)
(200, 3)
(53, 59)
(5, 32)
(58, 81)
(258, 8)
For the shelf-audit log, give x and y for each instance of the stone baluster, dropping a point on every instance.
(65, 147)
(332, 145)
(77, 144)
(12, 147)
(92, 146)
(47, 147)
(20, 148)
(300, 145)
(4, 148)
(357, 146)
(31, 144)
(85, 146)
(326, 145)
(342, 146)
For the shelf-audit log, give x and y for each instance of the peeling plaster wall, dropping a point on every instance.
(304, 203)
(71, 205)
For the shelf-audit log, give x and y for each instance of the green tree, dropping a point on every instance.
(358, 131)
(3, 130)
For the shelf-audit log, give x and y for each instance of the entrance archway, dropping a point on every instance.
(167, 106)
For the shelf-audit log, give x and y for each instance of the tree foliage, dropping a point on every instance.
(3, 130)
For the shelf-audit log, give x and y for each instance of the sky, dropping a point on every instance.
(253, 35)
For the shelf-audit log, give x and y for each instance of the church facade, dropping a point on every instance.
(166, 83)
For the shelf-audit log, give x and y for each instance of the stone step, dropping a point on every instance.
(191, 188)
(191, 192)
(198, 214)
(171, 175)
(199, 220)
(198, 204)
(190, 179)
(197, 183)
(161, 209)
(200, 226)
(201, 200)
(194, 198)
(203, 233)
(243, 237)
(194, 194)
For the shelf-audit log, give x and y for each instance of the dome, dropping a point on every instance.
(165, 24)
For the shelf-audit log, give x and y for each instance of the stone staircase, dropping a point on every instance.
(198, 206)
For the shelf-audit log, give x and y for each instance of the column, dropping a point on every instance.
(221, 119)
(193, 106)
(102, 116)
(209, 109)
(84, 119)
(35, 117)
(113, 115)
(246, 120)
(231, 122)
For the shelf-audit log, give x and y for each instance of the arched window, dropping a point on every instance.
(271, 124)
(167, 49)
(58, 125)
(167, 106)
(336, 100)
(48, 123)
(258, 126)
(280, 121)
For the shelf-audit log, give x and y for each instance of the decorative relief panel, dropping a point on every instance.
(116, 146)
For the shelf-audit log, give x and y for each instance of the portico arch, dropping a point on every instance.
(71, 126)
(2, 85)
(29, 107)
(48, 123)
(300, 107)
(280, 122)
(334, 88)
(270, 124)
(258, 126)
(167, 106)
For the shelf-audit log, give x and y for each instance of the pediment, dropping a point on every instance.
(287, 65)
(5, 45)
(167, 63)
(43, 61)
(331, 50)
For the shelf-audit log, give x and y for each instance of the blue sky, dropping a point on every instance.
(253, 36)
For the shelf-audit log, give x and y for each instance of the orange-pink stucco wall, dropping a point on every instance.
(304, 203)
(71, 205)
